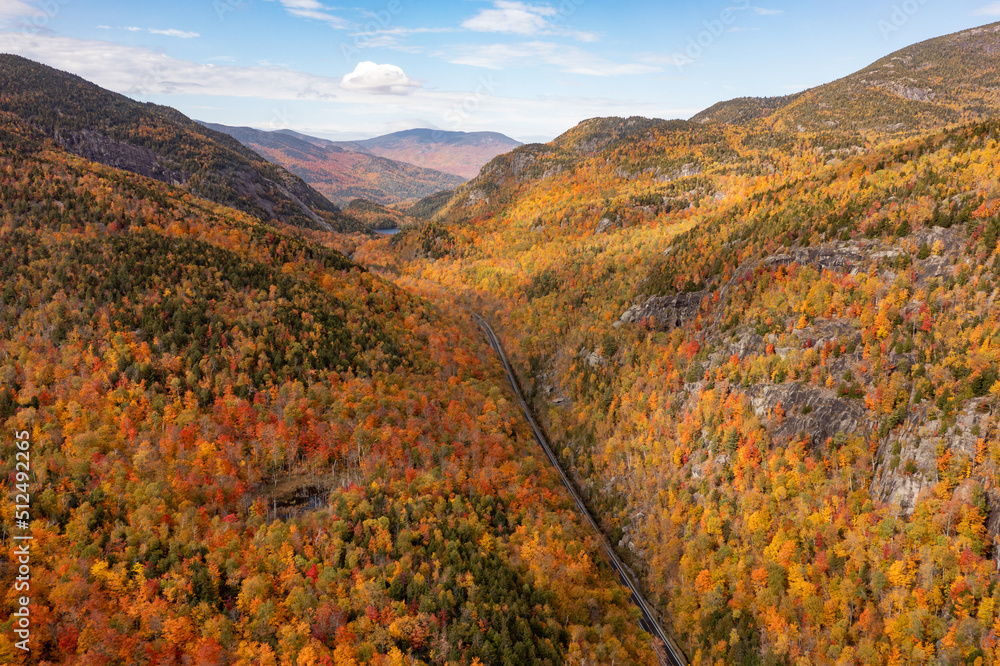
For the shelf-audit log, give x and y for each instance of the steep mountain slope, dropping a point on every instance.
(158, 142)
(770, 358)
(246, 449)
(951, 79)
(340, 174)
(667, 166)
(459, 153)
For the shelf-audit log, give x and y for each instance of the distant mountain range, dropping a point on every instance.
(459, 153)
(341, 173)
(283, 176)
(157, 142)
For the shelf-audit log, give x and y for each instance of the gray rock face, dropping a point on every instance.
(746, 344)
(594, 359)
(476, 196)
(604, 225)
(555, 396)
(121, 155)
(521, 162)
(836, 258)
(825, 414)
(904, 492)
(912, 93)
(668, 312)
(686, 171)
(920, 442)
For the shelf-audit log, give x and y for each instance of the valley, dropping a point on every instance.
(249, 447)
(765, 355)
(710, 391)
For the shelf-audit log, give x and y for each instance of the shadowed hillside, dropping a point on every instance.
(160, 143)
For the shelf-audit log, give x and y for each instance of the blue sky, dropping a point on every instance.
(528, 69)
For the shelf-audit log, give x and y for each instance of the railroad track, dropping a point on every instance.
(670, 654)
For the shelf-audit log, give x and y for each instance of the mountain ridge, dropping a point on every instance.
(158, 142)
(459, 153)
(927, 85)
(835, 119)
(340, 174)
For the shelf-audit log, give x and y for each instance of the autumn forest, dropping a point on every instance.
(764, 344)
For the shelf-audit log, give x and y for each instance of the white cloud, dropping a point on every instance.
(312, 9)
(378, 79)
(514, 17)
(670, 59)
(12, 9)
(520, 18)
(170, 32)
(249, 95)
(568, 59)
(182, 34)
(390, 36)
(988, 10)
(382, 41)
(138, 71)
(406, 31)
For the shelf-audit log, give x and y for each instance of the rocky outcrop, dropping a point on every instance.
(667, 312)
(686, 171)
(476, 196)
(120, 155)
(604, 225)
(805, 409)
(594, 359)
(838, 257)
(910, 92)
(901, 476)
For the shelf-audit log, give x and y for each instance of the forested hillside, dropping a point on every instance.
(160, 143)
(246, 449)
(768, 352)
(950, 79)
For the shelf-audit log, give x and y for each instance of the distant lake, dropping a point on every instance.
(387, 232)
